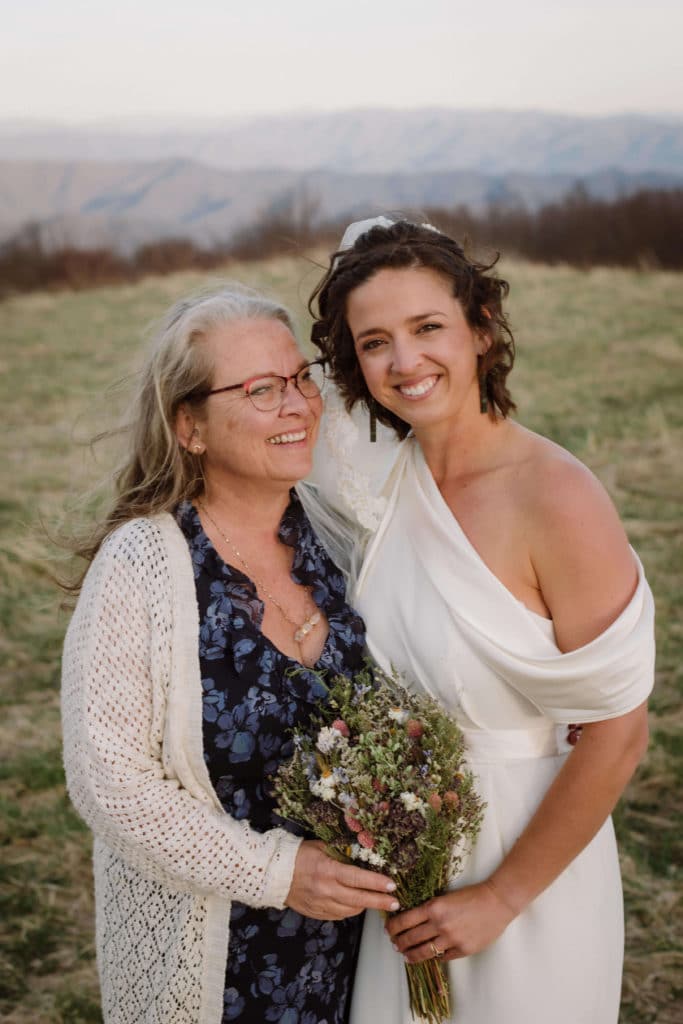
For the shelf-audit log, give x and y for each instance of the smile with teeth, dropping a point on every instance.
(291, 438)
(417, 390)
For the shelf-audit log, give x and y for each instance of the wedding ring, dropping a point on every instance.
(438, 953)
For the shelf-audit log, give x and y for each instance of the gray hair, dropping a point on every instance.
(157, 473)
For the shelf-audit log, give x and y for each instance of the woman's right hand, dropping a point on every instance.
(327, 890)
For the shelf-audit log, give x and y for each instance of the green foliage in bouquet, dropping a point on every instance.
(381, 780)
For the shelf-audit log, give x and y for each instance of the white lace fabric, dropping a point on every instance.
(342, 436)
(168, 860)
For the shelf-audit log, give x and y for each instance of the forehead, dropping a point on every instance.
(243, 348)
(397, 293)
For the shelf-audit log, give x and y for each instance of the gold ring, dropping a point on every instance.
(438, 953)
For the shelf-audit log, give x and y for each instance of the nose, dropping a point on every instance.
(292, 399)
(405, 355)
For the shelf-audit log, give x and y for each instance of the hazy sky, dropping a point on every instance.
(80, 60)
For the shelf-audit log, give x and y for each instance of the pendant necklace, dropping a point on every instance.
(302, 630)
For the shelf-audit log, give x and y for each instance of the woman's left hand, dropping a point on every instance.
(456, 924)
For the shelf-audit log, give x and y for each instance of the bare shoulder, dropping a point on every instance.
(577, 544)
(554, 483)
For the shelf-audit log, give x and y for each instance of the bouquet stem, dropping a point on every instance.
(429, 991)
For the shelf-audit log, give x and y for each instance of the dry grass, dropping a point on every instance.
(600, 370)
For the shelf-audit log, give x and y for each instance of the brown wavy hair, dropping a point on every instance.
(403, 244)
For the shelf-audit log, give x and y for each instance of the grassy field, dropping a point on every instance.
(600, 370)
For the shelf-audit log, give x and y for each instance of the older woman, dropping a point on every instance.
(497, 577)
(207, 603)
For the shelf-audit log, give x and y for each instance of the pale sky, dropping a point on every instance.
(77, 61)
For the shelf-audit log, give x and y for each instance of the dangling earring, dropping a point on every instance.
(373, 420)
(483, 397)
(483, 393)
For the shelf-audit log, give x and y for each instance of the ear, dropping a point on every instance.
(187, 431)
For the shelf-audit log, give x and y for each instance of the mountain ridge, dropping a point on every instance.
(125, 204)
(375, 139)
(98, 184)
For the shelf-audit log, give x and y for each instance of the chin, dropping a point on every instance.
(295, 469)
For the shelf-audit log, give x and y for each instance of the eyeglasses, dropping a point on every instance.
(268, 392)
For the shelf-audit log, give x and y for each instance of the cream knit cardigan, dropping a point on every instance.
(167, 859)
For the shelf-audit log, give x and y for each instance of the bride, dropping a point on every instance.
(496, 576)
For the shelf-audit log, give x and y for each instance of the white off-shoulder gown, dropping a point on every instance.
(436, 613)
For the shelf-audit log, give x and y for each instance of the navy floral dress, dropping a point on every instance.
(281, 966)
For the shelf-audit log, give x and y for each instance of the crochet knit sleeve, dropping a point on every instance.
(116, 670)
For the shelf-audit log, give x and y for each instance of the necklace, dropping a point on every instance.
(302, 630)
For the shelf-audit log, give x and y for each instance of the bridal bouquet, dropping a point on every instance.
(381, 780)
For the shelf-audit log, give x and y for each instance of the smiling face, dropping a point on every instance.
(245, 447)
(417, 352)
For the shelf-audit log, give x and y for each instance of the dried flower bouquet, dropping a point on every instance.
(382, 781)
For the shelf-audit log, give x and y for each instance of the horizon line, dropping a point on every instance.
(88, 121)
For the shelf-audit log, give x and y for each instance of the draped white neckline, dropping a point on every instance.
(435, 493)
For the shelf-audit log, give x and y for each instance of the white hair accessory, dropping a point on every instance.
(361, 227)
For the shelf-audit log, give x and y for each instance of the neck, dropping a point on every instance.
(462, 449)
(258, 508)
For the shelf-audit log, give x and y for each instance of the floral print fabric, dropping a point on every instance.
(282, 967)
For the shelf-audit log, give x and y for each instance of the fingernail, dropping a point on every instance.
(391, 887)
(395, 905)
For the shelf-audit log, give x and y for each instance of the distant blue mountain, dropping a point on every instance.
(127, 183)
(371, 141)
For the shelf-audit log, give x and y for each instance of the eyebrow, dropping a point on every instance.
(411, 320)
(272, 373)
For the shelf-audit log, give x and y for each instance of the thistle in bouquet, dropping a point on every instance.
(380, 778)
